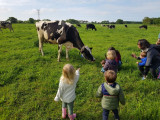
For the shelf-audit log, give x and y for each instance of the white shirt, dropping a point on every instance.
(66, 92)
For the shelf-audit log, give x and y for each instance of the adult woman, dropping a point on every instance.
(153, 57)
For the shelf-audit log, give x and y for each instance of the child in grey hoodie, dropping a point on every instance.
(111, 94)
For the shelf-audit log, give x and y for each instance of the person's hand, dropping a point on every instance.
(78, 69)
(133, 55)
(56, 99)
(137, 62)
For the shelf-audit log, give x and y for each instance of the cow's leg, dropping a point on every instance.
(59, 52)
(40, 44)
(1, 30)
(11, 29)
(67, 57)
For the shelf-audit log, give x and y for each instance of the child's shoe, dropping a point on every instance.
(64, 113)
(102, 70)
(71, 117)
(143, 78)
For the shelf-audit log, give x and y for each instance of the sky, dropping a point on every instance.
(89, 10)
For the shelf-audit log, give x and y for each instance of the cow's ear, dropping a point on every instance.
(90, 48)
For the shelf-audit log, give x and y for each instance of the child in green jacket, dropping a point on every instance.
(111, 94)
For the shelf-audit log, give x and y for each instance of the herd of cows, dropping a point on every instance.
(61, 33)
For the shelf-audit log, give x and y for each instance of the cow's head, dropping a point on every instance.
(86, 52)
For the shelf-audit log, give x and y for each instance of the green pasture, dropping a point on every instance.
(29, 81)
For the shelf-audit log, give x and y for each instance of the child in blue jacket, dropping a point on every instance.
(141, 64)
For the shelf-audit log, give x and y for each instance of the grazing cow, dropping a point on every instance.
(111, 26)
(61, 33)
(78, 25)
(5, 24)
(143, 26)
(126, 26)
(103, 25)
(90, 26)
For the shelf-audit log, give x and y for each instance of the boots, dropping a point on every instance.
(71, 117)
(64, 113)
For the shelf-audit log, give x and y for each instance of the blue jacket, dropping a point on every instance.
(143, 61)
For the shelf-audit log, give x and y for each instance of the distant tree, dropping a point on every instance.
(31, 20)
(19, 21)
(119, 21)
(147, 20)
(46, 20)
(156, 21)
(105, 22)
(12, 19)
(73, 21)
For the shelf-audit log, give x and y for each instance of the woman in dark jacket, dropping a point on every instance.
(153, 57)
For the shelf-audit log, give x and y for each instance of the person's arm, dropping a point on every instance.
(106, 66)
(99, 92)
(121, 97)
(77, 75)
(134, 56)
(142, 63)
(59, 92)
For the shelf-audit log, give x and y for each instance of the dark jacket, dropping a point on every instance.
(118, 56)
(153, 59)
(153, 56)
(110, 65)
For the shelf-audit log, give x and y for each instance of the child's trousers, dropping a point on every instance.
(106, 114)
(69, 106)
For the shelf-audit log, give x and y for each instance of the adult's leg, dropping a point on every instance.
(153, 72)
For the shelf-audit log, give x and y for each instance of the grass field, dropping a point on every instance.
(29, 81)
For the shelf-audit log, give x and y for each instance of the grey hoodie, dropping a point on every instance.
(111, 101)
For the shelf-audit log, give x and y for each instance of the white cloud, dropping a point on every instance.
(14, 2)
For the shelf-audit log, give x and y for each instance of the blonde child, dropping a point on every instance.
(66, 90)
(109, 63)
(111, 94)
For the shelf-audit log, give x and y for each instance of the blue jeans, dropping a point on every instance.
(106, 114)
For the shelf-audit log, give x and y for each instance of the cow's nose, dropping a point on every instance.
(93, 59)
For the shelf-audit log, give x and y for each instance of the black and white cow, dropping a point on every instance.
(143, 26)
(125, 26)
(90, 26)
(61, 33)
(111, 26)
(5, 24)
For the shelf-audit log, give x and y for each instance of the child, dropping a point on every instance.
(141, 64)
(111, 94)
(118, 56)
(66, 90)
(109, 63)
(158, 41)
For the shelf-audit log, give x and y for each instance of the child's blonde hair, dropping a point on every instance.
(111, 54)
(68, 74)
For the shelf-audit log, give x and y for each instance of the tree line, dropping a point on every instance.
(151, 21)
(146, 21)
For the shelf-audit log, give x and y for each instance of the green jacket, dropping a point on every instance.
(116, 95)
